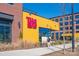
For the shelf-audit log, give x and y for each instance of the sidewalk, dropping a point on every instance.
(34, 51)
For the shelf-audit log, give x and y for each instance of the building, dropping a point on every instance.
(31, 25)
(16, 24)
(10, 22)
(68, 26)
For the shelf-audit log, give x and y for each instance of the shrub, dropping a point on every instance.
(57, 42)
(5, 47)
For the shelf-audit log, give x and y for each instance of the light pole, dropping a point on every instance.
(49, 30)
(63, 27)
(73, 42)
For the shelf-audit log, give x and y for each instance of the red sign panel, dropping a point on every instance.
(31, 23)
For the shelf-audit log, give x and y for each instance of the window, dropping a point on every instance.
(77, 27)
(66, 23)
(70, 22)
(61, 23)
(61, 19)
(70, 31)
(5, 21)
(70, 27)
(56, 20)
(70, 17)
(66, 28)
(77, 31)
(67, 32)
(77, 21)
(52, 19)
(66, 18)
(5, 30)
(57, 35)
(52, 34)
(61, 28)
(61, 33)
(76, 16)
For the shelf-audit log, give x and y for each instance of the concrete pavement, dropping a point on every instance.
(34, 51)
(28, 52)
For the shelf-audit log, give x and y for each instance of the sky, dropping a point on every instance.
(49, 10)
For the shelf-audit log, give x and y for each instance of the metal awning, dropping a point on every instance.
(6, 16)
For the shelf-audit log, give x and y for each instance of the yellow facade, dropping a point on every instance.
(32, 35)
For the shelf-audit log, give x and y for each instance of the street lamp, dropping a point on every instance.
(63, 11)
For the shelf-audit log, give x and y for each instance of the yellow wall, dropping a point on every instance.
(32, 35)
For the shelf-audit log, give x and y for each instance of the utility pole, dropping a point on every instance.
(73, 37)
(63, 27)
